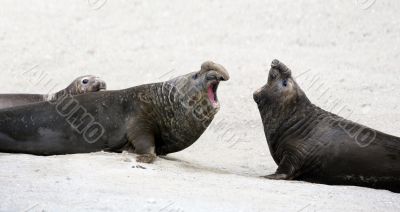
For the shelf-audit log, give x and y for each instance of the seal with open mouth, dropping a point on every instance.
(80, 85)
(153, 119)
(310, 144)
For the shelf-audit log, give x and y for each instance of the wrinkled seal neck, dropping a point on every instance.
(179, 120)
(275, 115)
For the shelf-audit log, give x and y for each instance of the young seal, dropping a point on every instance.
(310, 144)
(154, 119)
(80, 85)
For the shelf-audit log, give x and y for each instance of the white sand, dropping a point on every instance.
(353, 53)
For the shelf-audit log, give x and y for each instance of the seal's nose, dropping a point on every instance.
(213, 75)
(223, 78)
(103, 85)
(217, 69)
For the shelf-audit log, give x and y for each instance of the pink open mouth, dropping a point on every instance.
(212, 94)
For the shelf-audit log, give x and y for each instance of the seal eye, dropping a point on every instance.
(85, 81)
(284, 83)
(196, 76)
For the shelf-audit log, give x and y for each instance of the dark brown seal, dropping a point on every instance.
(310, 144)
(80, 85)
(154, 119)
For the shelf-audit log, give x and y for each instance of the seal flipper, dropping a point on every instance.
(277, 177)
(145, 146)
(299, 161)
(287, 170)
(142, 139)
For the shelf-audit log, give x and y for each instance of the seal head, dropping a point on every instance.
(213, 74)
(81, 85)
(280, 89)
(199, 86)
(279, 98)
(86, 84)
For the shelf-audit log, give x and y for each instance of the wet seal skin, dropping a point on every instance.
(310, 144)
(80, 85)
(153, 119)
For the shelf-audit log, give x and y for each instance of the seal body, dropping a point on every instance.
(80, 85)
(153, 119)
(310, 144)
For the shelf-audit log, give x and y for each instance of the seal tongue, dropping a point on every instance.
(211, 95)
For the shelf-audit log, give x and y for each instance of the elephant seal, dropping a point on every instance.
(310, 144)
(153, 119)
(80, 85)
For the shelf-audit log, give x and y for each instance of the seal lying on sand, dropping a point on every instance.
(154, 119)
(314, 145)
(80, 85)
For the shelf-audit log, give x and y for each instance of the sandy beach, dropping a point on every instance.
(344, 54)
